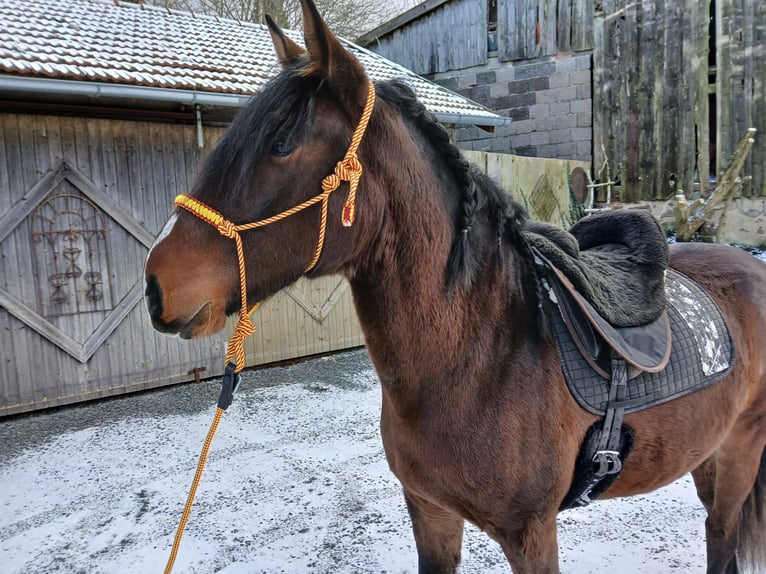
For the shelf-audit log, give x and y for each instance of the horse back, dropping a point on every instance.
(733, 277)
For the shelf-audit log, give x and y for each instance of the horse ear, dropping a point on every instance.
(287, 51)
(327, 55)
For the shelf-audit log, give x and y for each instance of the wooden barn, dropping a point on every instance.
(662, 90)
(106, 110)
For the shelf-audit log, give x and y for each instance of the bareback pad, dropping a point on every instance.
(702, 353)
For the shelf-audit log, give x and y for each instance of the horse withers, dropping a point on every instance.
(477, 421)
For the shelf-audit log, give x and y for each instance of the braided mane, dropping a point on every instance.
(482, 201)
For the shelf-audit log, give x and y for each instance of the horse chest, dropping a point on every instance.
(444, 464)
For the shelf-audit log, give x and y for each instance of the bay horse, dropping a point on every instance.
(476, 421)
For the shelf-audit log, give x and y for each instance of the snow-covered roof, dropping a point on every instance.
(114, 42)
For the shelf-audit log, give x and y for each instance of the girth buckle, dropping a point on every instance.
(607, 462)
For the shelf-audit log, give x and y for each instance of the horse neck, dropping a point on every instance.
(417, 333)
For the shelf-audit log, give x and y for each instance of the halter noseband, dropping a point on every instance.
(348, 169)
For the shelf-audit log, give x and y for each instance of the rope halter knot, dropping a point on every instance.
(347, 169)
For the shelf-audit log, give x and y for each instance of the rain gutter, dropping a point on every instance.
(17, 84)
(54, 87)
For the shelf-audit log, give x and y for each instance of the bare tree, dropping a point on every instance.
(347, 18)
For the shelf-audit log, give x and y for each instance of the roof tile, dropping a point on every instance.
(126, 43)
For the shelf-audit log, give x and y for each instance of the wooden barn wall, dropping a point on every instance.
(741, 84)
(450, 37)
(652, 112)
(127, 170)
(126, 173)
(529, 29)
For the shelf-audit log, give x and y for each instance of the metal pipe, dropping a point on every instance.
(18, 84)
(200, 138)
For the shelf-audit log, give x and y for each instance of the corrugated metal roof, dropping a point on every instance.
(122, 43)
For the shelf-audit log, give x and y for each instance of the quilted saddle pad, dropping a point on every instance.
(702, 353)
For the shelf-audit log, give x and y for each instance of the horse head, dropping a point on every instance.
(273, 168)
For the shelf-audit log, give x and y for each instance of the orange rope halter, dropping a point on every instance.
(348, 169)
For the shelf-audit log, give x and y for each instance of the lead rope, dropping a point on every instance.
(348, 169)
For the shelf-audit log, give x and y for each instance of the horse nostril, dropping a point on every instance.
(153, 295)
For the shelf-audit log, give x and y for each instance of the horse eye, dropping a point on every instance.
(281, 148)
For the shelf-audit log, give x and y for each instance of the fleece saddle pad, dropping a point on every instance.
(701, 354)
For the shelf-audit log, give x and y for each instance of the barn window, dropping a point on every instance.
(492, 25)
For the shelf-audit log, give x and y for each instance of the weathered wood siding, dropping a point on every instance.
(529, 29)
(741, 84)
(73, 327)
(650, 112)
(651, 93)
(60, 341)
(450, 37)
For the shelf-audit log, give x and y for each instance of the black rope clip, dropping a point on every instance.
(229, 386)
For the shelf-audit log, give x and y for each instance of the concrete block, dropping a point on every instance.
(498, 90)
(584, 120)
(540, 138)
(582, 134)
(561, 136)
(560, 108)
(565, 64)
(581, 77)
(500, 145)
(517, 114)
(580, 106)
(526, 151)
(559, 79)
(449, 83)
(506, 73)
(565, 94)
(583, 62)
(536, 70)
(584, 91)
(483, 78)
(539, 111)
(514, 101)
(523, 127)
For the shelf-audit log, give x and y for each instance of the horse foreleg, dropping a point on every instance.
(533, 549)
(438, 535)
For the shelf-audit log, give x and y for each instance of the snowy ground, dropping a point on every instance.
(296, 482)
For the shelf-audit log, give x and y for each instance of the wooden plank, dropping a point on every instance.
(55, 335)
(758, 153)
(110, 206)
(650, 42)
(422, 46)
(29, 201)
(417, 12)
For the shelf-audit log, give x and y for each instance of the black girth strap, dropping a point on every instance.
(608, 457)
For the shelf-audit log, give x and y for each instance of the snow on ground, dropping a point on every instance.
(296, 482)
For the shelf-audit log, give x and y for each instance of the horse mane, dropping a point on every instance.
(284, 110)
(482, 201)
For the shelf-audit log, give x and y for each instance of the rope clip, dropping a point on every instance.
(229, 386)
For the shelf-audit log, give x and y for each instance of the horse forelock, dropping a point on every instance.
(283, 109)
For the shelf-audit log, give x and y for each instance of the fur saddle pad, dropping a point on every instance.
(702, 353)
(616, 260)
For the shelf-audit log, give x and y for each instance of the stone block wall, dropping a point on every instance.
(548, 99)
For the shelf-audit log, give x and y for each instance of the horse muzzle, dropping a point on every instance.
(203, 322)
